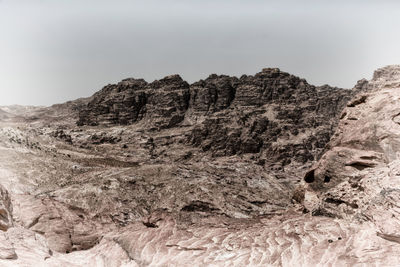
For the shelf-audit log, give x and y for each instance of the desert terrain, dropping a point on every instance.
(261, 170)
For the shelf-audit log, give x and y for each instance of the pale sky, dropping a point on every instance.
(52, 51)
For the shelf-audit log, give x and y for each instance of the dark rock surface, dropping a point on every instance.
(167, 102)
(212, 94)
(279, 117)
(122, 103)
(161, 103)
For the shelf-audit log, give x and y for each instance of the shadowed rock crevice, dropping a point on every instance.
(360, 165)
(310, 176)
(199, 206)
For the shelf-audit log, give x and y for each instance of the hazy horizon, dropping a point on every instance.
(55, 51)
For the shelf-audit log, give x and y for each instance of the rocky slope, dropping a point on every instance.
(358, 177)
(225, 171)
(275, 115)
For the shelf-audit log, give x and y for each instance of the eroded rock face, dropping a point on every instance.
(168, 173)
(287, 240)
(168, 100)
(358, 177)
(65, 229)
(211, 95)
(273, 113)
(6, 220)
(161, 103)
(116, 104)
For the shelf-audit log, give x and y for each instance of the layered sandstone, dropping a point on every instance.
(253, 171)
(273, 114)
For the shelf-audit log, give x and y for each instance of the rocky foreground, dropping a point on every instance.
(263, 170)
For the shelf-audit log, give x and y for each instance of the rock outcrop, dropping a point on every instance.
(161, 104)
(271, 113)
(6, 220)
(359, 176)
(211, 95)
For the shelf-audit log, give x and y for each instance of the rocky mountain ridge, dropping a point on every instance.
(254, 171)
(269, 113)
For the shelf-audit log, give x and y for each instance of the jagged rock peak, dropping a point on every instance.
(390, 72)
(386, 77)
(274, 70)
(132, 81)
(173, 77)
(132, 100)
(270, 113)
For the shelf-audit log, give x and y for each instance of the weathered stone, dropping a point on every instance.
(272, 114)
(358, 176)
(161, 104)
(212, 94)
(6, 220)
(205, 174)
(168, 100)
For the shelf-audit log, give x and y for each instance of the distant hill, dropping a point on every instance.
(4, 115)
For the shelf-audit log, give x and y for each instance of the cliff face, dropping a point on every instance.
(273, 114)
(163, 103)
(358, 176)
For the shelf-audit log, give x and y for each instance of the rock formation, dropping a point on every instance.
(253, 171)
(270, 113)
(358, 177)
(162, 103)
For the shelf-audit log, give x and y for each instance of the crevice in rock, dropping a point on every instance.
(186, 248)
(392, 238)
(337, 202)
(198, 206)
(396, 118)
(35, 221)
(258, 203)
(309, 177)
(358, 101)
(360, 165)
(150, 225)
(368, 157)
(323, 212)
